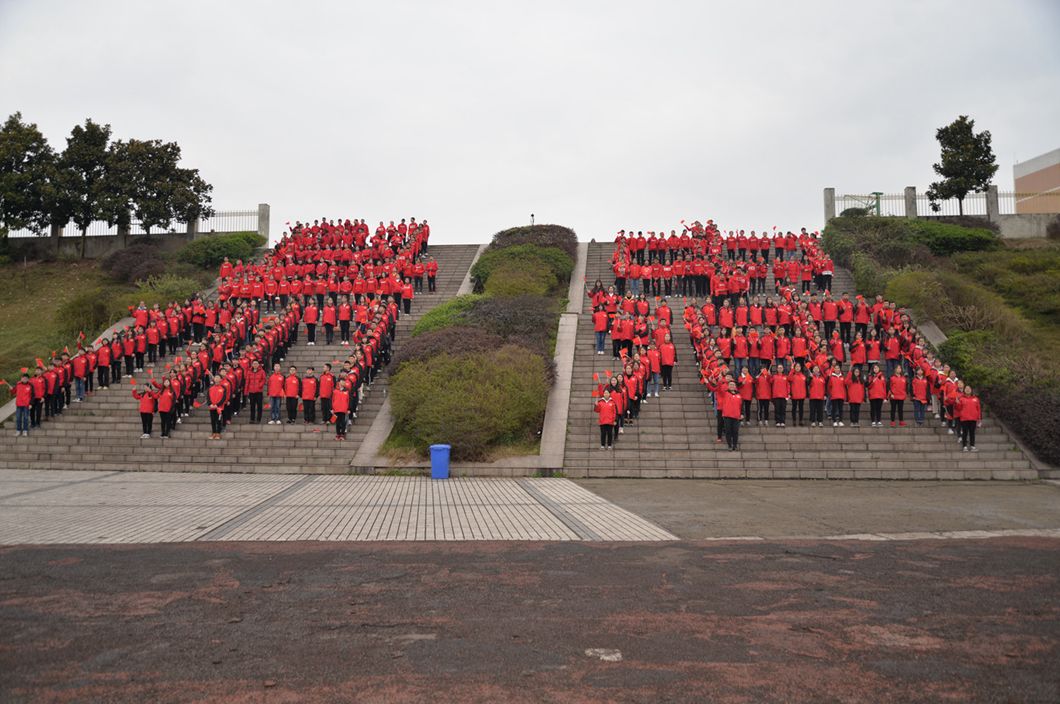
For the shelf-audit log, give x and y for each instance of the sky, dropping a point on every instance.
(594, 115)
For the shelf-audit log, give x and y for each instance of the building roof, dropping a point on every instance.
(1043, 161)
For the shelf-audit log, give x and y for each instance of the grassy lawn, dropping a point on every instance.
(401, 447)
(30, 295)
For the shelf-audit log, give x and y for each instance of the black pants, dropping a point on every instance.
(430, 283)
(667, 376)
(198, 329)
(797, 405)
(292, 409)
(746, 406)
(719, 421)
(732, 432)
(167, 417)
(329, 333)
(829, 328)
(152, 352)
(607, 435)
(816, 410)
(311, 332)
(325, 409)
(968, 433)
(340, 424)
(780, 407)
(35, 412)
(129, 365)
(103, 376)
(837, 410)
(407, 307)
(216, 424)
(876, 410)
(763, 409)
(855, 413)
(256, 406)
(309, 410)
(844, 332)
(344, 330)
(147, 420)
(899, 408)
(139, 360)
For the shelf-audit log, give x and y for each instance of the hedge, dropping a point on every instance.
(472, 401)
(527, 257)
(460, 338)
(514, 279)
(447, 314)
(210, 251)
(557, 236)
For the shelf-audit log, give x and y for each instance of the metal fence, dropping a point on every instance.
(893, 204)
(221, 221)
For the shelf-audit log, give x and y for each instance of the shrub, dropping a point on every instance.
(870, 278)
(447, 314)
(208, 252)
(973, 221)
(157, 289)
(917, 290)
(557, 236)
(1031, 410)
(514, 279)
(529, 321)
(138, 262)
(527, 256)
(86, 311)
(854, 212)
(944, 239)
(458, 339)
(471, 401)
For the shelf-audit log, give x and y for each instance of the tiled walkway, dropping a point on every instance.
(49, 506)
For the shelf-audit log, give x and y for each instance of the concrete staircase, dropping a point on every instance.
(675, 435)
(103, 432)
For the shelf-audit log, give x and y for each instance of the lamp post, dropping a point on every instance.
(531, 219)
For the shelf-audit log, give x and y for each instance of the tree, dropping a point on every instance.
(26, 175)
(144, 176)
(81, 172)
(967, 163)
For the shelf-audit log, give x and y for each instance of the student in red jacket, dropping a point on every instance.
(764, 393)
(798, 390)
(601, 326)
(147, 399)
(310, 317)
(855, 395)
(896, 387)
(23, 401)
(255, 386)
(971, 415)
(326, 389)
(877, 388)
(837, 394)
(780, 391)
(607, 417)
(217, 397)
(667, 361)
(275, 390)
(292, 389)
(166, 407)
(310, 393)
(919, 385)
(731, 410)
(340, 406)
(818, 385)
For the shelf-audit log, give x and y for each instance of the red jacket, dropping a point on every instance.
(897, 387)
(667, 354)
(23, 394)
(147, 400)
(276, 384)
(837, 387)
(920, 389)
(817, 386)
(255, 381)
(340, 401)
(309, 388)
(731, 405)
(607, 412)
(971, 409)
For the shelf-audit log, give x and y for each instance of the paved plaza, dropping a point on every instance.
(42, 506)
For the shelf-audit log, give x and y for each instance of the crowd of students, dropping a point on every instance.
(327, 275)
(758, 351)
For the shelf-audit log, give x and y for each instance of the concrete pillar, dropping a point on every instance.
(992, 209)
(123, 236)
(829, 204)
(193, 228)
(910, 202)
(263, 221)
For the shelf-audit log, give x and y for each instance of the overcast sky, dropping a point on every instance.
(596, 115)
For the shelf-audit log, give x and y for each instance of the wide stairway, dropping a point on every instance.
(675, 435)
(103, 432)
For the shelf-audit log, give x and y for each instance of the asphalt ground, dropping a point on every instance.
(738, 621)
(699, 509)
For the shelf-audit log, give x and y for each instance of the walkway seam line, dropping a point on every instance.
(241, 519)
(58, 485)
(557, 510)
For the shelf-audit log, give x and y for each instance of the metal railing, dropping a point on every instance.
(893, 204)
(1011, 203)
(221, 221)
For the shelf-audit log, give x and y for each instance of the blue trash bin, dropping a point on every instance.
(440, 461)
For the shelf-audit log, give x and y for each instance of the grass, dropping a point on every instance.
(30, 295)
(401, 447)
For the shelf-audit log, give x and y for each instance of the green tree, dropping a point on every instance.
(27, 164)
(144, 176)
(82, 169)
(967, 163)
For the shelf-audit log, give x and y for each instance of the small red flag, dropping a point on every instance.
(596, 376)
(24, 370)
(596, 393)
(607, 373)
(333, 418)
(40, 362)
(132, 381)
(4, 383)
(196, 404)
